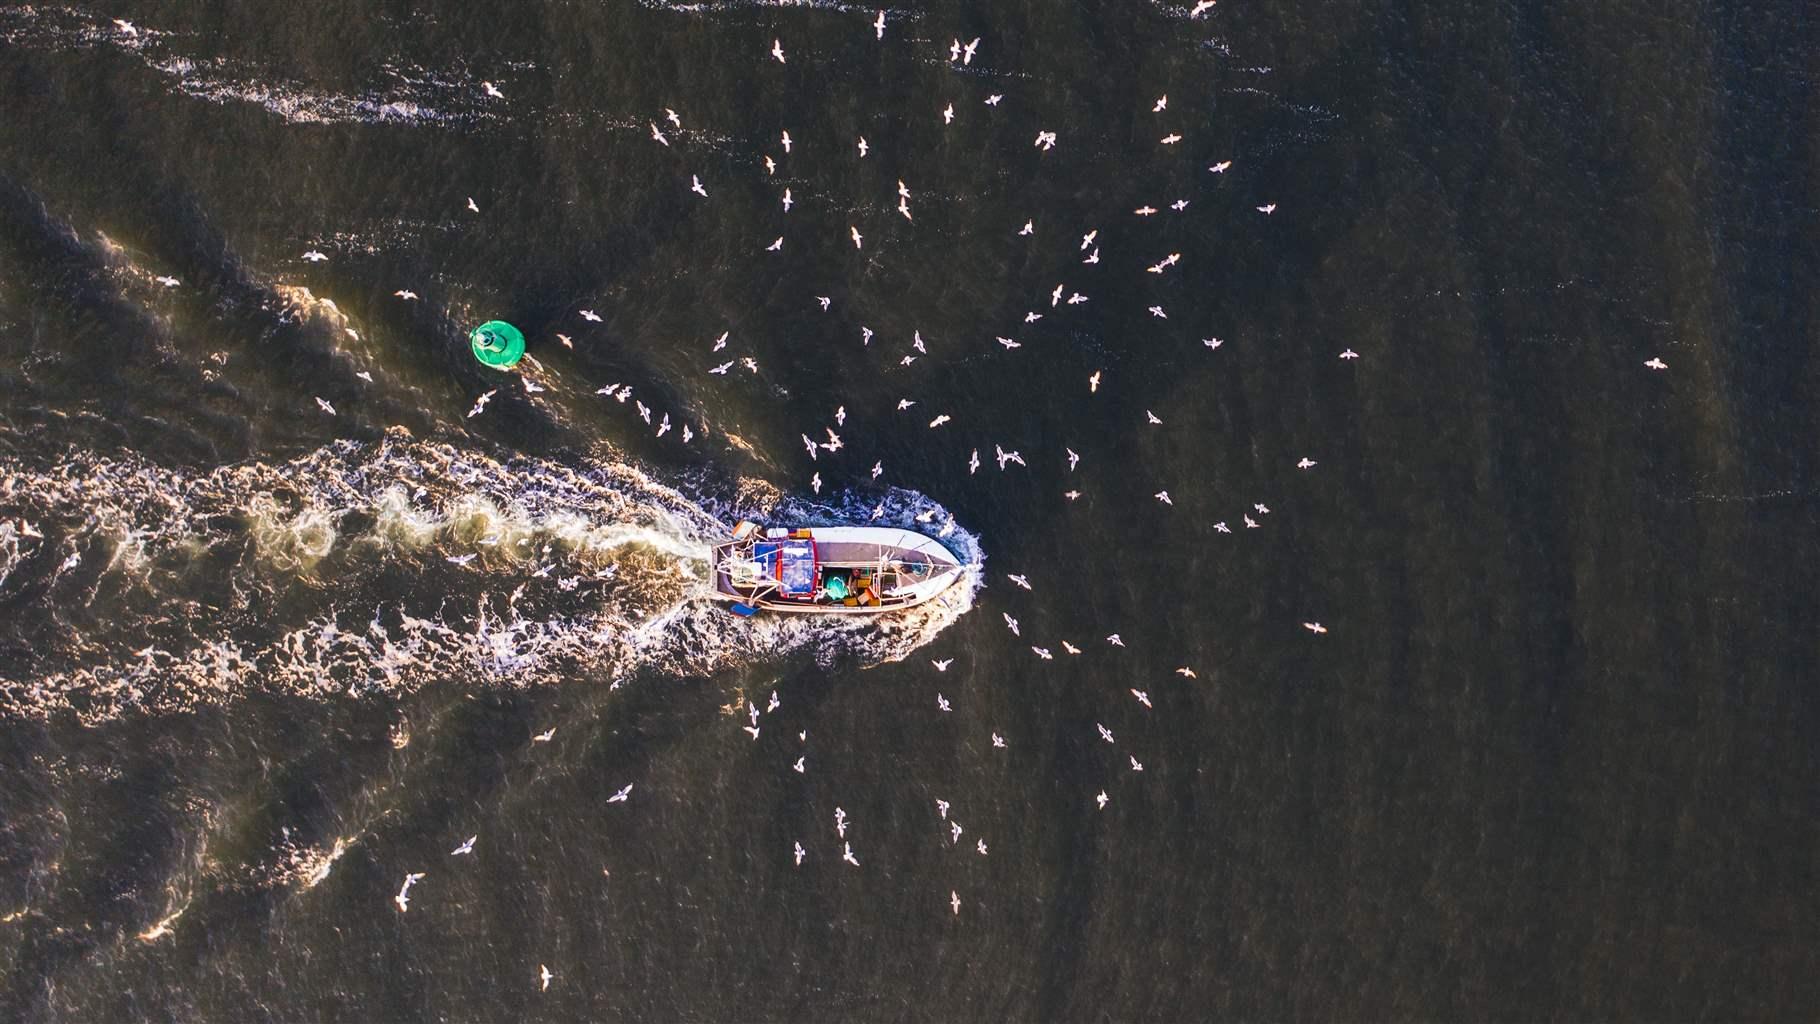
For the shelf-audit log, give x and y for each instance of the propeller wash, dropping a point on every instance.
(379, 568)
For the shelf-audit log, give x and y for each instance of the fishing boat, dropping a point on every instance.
(840, 570)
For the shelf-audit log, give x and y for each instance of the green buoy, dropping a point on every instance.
(497, 344)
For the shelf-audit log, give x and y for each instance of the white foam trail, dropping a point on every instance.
(338, 578)
(416, 95)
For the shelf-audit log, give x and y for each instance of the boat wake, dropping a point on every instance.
(384, 567)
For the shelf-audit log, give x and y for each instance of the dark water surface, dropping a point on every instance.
(1553, 758)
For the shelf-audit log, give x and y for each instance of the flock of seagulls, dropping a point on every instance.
(964, 55)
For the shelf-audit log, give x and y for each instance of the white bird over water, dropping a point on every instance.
(1222, 527)
(954, 900)
(815, 483)
(968, 51)
(1268, 208)
(125, 27)
(1070, 648)
(1102, 799)
(313, 257)
(1163, 496)
(590, 316)
(877, 468)
(1093, 382)
(545, 736)
(1212, 343)
(980, 845)
(753, 729)
(998, 741)
(787, 200)
(1008, 343)
(1142, 697)
(1092, 257)
(544, 975)
(825, 301)
(1186, 672)
(1071, 495)
(695, 186)
(657, 133)
(948, 114)
(1178, 206)
(942, 703)
(1171, 139)
(786, 141)
(1011, 624)
(1201, 7)
(798, 766)
(1019, 580)
(722, 368)
(857, 239)
(1653, 363)
(622, 795)
(481, 403)
(774, 246)
(1073, 459)
(942, 665)
(720, 342)
(1157, 311)
(973, 462)
(1151, 417)
(846, 854)
(1306, 463)
(939, 420)
(863, 147)
(1032, 317)
(878, 25)
(492, 90)
(325, 406)
(466, 847)
(1314, 627)
(770, 164)
(171, 282)
(403, 899)
(1136, 765)
(941, 808)
(672, 117)
(1055, 297)
(777, 50)
(955, 831)
(1350, 354)
(992, 100)
(472, 206)
(798, 852)
(1144, 211)
(1028, 228)
(1042, 652)
(1115, 641)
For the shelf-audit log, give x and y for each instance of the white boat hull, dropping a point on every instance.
(902, 569)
